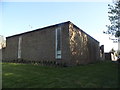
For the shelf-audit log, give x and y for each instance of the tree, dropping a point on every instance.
(118, 52)
(2, 42)
(112, 50)
(114, 17)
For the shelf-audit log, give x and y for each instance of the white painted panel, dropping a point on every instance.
(57, 52)
(19, 47)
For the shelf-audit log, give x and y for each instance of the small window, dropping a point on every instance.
(58, 43)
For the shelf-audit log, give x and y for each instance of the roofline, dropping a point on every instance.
(49, 27)
(38, 29)
(84, 32)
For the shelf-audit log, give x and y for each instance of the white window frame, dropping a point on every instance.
(19, 47)
(58, 52)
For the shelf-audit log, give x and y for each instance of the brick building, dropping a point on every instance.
(60, 43)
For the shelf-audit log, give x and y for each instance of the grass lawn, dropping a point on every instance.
(98, 75)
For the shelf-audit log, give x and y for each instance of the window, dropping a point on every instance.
(58, 43)
(19, 47)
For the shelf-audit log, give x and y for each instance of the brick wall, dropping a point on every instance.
(84, 49)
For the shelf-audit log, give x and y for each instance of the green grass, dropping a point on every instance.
(99, 75)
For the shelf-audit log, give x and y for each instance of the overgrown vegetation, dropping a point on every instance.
(114, 17)
(98, 75)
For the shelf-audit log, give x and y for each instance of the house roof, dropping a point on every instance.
(52, 26)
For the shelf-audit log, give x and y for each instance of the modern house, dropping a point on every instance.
(60, 43)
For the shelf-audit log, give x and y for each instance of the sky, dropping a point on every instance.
(92, 17)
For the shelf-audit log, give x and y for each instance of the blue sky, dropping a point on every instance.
(92, 17)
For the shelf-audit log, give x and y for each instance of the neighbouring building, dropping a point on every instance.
(102, 54)
(111, 56)
(61, 43)
(108, 56)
